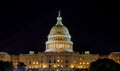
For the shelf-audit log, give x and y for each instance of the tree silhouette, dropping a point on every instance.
(104, 65)
(5, 66)
(21, 66)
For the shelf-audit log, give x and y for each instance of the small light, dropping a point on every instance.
(74, 61)
(80, 63)
(72, 66)
(54, 66)
(83, 62)
(80, 58)
(118, 57)
(36, 62)
(33, 62)
(58, 60)
(87, 63)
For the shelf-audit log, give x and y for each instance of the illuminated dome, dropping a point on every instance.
(59, 29)
(59, 39)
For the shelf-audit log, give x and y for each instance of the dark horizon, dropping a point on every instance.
(93, 25)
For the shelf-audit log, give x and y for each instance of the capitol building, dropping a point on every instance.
(59, 54)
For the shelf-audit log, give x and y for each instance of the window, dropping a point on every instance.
(87, 62)
(33, 62)
(80, 63)
(54, 61)
(49, 66)
(36, 62)
(66, 57)
(49, 57)
(49, 61)
(29, 62)
(80, 58)
(41, 66)
(66, 66)
(58, 60)
(83, 62)
(74, 61)
(41, 57)
(41, 61)
(66, 61)
(118, 57)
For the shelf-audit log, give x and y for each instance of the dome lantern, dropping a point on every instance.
(59, 19)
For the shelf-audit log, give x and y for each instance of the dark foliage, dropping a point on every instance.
(104, 65)
(5, 66)
(21, 66)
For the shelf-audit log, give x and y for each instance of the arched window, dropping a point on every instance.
(49, 61)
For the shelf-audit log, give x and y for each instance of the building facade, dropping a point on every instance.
(58, 60)
(59, 53)
(115, 56)
(5, 56)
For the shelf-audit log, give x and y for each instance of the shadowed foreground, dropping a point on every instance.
(5, 66)
(104, 65)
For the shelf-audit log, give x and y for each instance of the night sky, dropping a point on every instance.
(93, 25)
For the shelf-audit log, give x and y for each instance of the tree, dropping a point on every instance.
(5, 66)
(21, 66)
(104, 65)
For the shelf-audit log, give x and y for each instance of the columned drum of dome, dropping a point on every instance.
(59, 39)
